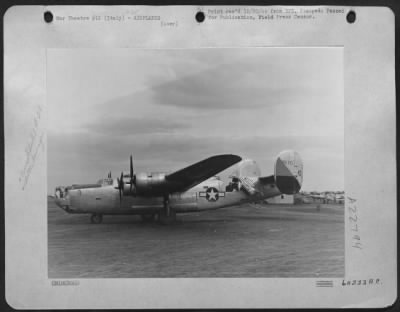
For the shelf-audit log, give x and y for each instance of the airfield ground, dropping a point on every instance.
(244, 241)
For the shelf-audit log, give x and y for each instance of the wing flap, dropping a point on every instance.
(192, 175)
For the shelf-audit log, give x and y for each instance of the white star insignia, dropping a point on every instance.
(212, 195)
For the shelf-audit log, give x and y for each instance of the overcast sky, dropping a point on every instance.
(171, 108)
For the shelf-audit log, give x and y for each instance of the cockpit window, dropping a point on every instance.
(106, 181)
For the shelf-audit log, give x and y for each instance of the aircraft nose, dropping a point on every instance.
(58, 202)
(61, 198)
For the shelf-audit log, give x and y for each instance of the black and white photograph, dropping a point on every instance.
(199, 157)
(195, 162)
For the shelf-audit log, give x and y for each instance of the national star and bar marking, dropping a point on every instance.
(212, 194)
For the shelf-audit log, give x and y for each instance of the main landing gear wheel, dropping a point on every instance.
(166, 220)
(167, 215)
(96, 218)
(148, 217)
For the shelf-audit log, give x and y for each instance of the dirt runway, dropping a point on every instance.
(244, 241)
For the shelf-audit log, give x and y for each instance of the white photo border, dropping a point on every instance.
(370, 157)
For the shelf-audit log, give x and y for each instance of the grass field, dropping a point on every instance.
(244, 241)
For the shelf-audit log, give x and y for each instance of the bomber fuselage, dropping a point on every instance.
(211, 194)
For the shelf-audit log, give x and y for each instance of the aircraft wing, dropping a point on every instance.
(188, 177)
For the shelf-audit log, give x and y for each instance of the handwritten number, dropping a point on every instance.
(353, 219)
(353, 209)
(352, 200)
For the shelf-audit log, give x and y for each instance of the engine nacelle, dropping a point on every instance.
(289, 172)
(127, 190)
(150, 183)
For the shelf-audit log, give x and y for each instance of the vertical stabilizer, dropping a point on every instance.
(247, 168)
(289, 172)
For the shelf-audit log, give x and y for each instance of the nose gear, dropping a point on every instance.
(96, 218)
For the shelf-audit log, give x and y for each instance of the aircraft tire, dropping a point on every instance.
(96, 218)
(148, 217)
(166, 220)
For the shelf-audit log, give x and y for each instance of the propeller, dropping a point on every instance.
(132, 180)
(120, 182)
(132, 175)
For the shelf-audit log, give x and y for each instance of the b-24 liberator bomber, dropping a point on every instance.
(192, 189)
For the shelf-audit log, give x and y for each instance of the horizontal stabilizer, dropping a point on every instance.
(267, 180)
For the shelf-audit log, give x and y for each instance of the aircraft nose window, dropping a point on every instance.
(60, 192)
